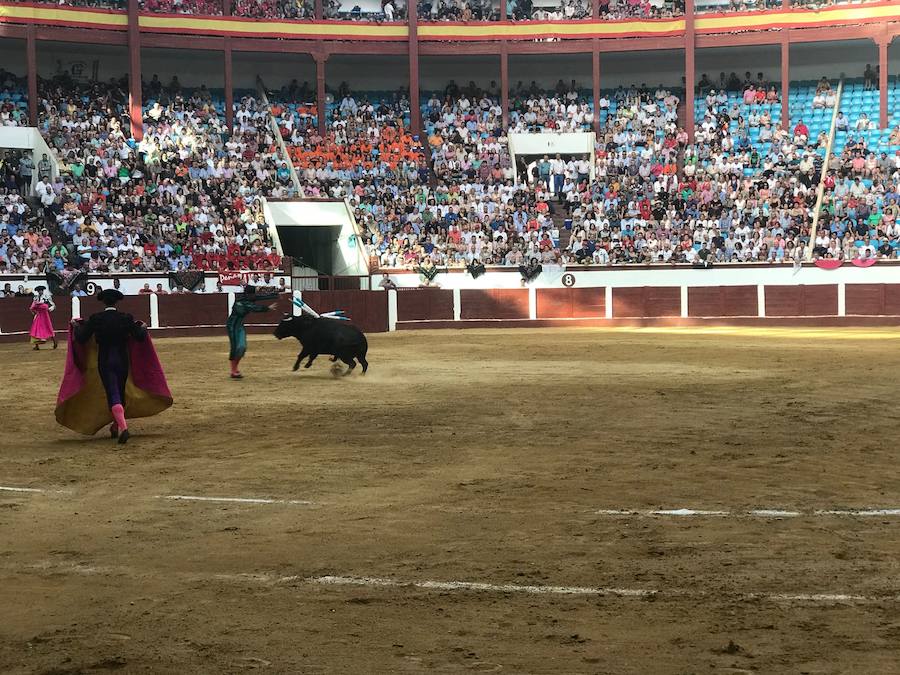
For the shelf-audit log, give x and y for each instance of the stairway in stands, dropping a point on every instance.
(559, 218)
(681, 111)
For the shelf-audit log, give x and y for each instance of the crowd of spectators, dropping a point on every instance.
(198, 7)
(819, 4)
(651, 197)
(722, 6)
(12, 104)
(186, 196)
(474, 212)
(561, 10)
(96, 4)
(565, 109)
(458, 10)
(641, 9)
(452, 10)
(389, 10)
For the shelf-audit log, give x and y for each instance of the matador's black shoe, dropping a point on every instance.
(123, 437)
(113, 431)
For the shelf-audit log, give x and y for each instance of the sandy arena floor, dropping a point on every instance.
(467, 456)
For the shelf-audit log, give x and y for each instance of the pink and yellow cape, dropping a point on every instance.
(81, 403)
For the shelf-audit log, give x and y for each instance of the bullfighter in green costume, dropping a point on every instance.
(245, 304)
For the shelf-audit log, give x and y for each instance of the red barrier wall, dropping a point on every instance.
(15, 316)
(494, 303)
(424, 304)
(722, 301)
(864, 299)
(646, 301)
(802, 300)
(367, 309)
(872, 299)
(136, 305)
(431, 308)
(571, 303)
(189, 310)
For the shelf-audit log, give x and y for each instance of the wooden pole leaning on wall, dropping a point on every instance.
(229, 84)
(415, 111)
(690, 69)
(820, 190)
(276, 133)
(320, 92)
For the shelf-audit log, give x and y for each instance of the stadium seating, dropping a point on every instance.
(13, 102)
(186, 196)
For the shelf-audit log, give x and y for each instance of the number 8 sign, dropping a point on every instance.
(568, 279)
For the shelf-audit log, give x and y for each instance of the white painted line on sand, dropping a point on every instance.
(823, 597)
(698, 513)
(633, 513)
(376, 582)
(480, 586)
(688, 512)
(752, 513)
(237, 500)
(273, 579)
(864, 512)
(7, 488)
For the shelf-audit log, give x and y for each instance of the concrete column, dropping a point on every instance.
(785, 82)
(31, 67)
(883, 82)
(320, 92)
(415, 112)
(229, 86)
(135, 96)
(690, 69)
(595, 77)
(504, 81)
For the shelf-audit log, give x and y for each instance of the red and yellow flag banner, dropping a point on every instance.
(729, 22)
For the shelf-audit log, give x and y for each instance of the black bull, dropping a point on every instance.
(341, 339)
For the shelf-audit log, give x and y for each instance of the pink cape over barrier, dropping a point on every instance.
(864, 262)
(81, 403)
(829, 263)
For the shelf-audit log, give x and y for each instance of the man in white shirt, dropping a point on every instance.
(558, 173)
(842, 123)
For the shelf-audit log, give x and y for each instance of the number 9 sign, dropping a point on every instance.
(568, 280)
